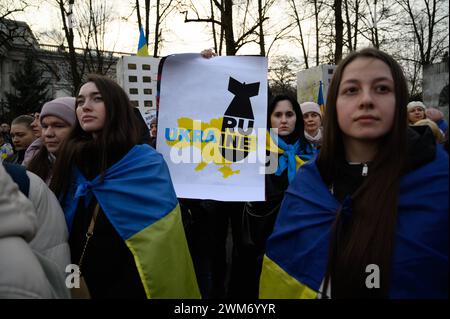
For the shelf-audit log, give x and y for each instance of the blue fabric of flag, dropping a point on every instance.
(320, 99)
(300, 240)
(136, 191)
(142, 46)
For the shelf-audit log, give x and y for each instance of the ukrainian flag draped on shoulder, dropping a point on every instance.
(297, 251)
(139, 200)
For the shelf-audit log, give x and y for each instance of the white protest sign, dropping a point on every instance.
(212, 125)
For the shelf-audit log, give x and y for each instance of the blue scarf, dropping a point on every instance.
(291, 156)
(287, 159)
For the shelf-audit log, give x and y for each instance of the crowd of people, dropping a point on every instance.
(364, 182)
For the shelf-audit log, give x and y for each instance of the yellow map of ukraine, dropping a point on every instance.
(206, 137)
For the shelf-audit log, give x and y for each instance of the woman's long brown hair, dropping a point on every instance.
(367, 236)
(93, 156)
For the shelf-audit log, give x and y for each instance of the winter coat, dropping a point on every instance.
(16, 158)
(31, 151)
(52, 236)
(25, 273)
(5, 150)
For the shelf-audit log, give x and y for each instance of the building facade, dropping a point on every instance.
(308, 82)
(435, 86)
(17, 41)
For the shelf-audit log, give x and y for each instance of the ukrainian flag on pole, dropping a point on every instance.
(142, 46)
(320, 100)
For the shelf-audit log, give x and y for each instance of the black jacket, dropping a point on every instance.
(421, 148)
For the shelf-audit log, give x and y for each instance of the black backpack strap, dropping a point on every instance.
(19, 175)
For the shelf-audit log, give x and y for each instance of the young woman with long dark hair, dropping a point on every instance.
(369, 217)
(125, 226)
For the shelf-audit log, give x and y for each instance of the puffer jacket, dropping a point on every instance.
(52, 236)
(24, 273)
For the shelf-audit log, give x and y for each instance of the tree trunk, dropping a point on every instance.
(432, 18)
(147, 20)
(138, 13)
(157, 23)
(227, 24)
(300, 31)
(355, 33)
(376, 42)
(339, 28)
(262, 48)
(213, 26)
(316, 17)
(349, 26)
(76, 78)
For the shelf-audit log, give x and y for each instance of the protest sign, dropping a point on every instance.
(212, 124)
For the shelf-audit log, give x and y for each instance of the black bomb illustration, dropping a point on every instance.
(238, 121)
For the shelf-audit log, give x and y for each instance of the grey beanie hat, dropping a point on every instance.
(62, 107)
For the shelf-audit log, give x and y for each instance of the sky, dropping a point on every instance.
(123, 36)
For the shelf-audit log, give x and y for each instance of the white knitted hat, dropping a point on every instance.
(414, 104)
(310, 107)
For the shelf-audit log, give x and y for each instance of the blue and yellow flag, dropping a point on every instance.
(300, 158)
(139, 200)
(320, 100)
(296, 256)
(142, 46)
